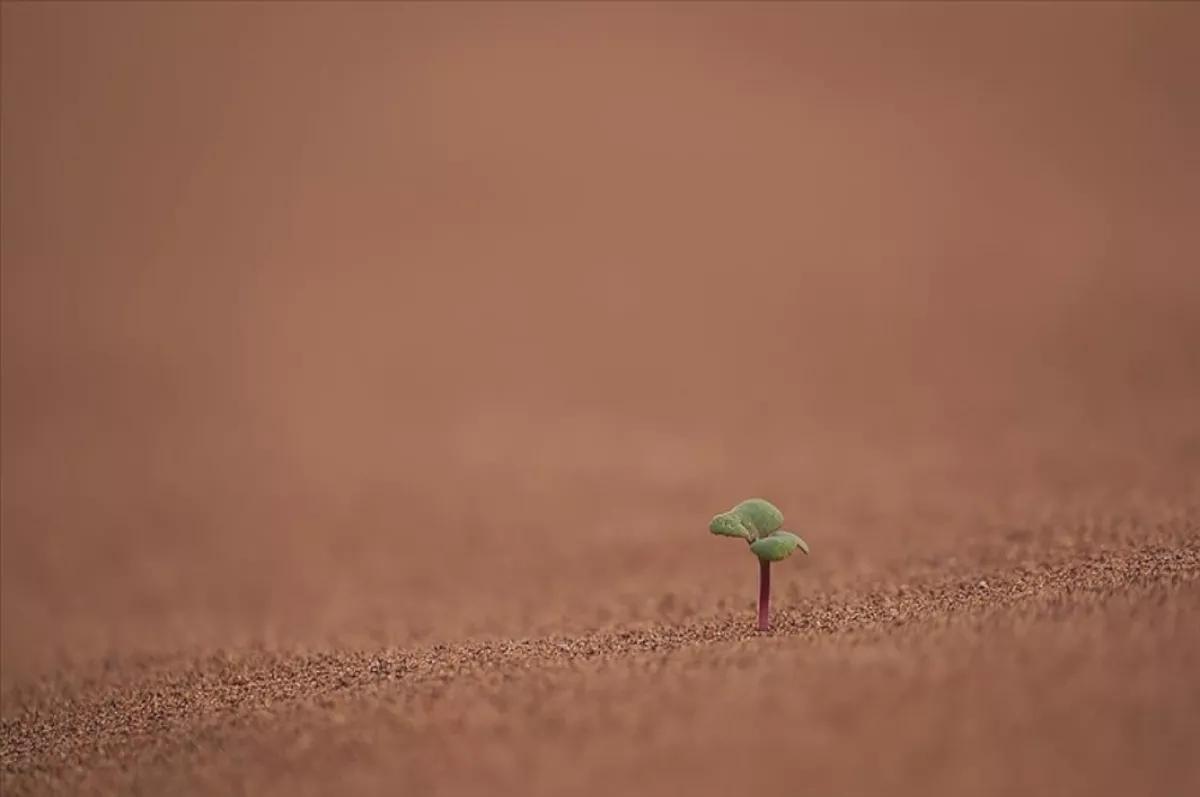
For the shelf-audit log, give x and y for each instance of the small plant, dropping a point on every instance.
(760, 524)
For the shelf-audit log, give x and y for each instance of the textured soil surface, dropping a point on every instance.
(371, 373)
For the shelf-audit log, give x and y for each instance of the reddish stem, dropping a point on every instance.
(764, 594)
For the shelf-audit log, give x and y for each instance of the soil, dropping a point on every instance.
(371, 374)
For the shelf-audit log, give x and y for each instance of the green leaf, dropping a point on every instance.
(759, 516)
(778, 546)
(800, 543)
(727, 524)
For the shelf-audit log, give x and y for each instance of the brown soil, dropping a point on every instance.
(370, 374)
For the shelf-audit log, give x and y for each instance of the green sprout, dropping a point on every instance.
(760, 524)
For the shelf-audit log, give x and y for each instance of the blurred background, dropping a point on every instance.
(376, 322)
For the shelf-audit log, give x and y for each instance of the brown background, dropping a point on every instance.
(333, 333)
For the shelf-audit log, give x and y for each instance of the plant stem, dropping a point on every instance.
(764, 594)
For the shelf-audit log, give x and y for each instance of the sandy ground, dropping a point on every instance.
(371, 372)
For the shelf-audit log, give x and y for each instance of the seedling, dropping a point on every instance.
(760, 524)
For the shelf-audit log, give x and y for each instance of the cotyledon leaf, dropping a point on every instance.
(758, 515)
(727, 524)
(778, 546)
